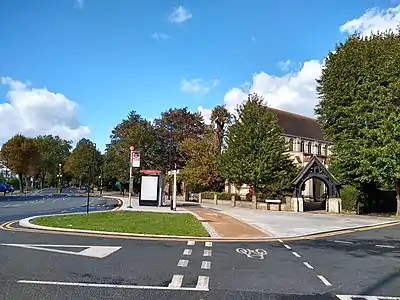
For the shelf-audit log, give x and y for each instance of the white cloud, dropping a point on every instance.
(206, 113)
(160, 36)
(179, 15)
(294, 92)
(79, 4)
(38, 111)
(198, 85)
(373, 20)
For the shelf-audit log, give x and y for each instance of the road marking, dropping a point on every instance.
(296, 254)
(64, 211)
(385, 246)
(323, 279)
(207, 252)
(90, 251)
(250, 253)
(343, 242)
(202, 282)
(208, 244)
(176, 281)
(187, 252)
(191, 243)
(206, 264)
(287, 246)
(350, 297)
(280, 241)
(183, 263)
(115, 286)
(308, 265)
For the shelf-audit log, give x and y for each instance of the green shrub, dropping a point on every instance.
(349, 195)
(220, 195)
(248, 197)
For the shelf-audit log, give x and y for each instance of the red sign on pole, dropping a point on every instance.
(132, 148)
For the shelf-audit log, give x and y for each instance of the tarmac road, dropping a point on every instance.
(64, 266)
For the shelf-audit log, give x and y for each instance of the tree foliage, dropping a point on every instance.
(360, 109)
(255, 151)
(220, 119)
(84, 161)
(201, 171)
(21, 156)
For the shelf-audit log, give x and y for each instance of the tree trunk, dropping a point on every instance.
(21, 187)
(397, 183)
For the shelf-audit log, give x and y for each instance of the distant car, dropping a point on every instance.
(6, 188)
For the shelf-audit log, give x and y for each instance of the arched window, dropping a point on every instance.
(309, 147)
(290, 145)
(302, 146)
(319, 149)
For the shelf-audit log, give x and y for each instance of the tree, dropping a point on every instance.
(84, 161)
(140, 133)
(220, 119)
(21, 156)
(255, 151)
(359, 109)
(53, 150)
(201, 171)
(182, 124)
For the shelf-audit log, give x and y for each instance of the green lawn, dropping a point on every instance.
(132, 222)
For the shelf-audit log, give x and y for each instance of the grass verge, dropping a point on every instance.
(129, 222)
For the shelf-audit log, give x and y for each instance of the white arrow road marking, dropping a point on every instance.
(90, 251)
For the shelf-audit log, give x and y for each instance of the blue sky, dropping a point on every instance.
(110, 57)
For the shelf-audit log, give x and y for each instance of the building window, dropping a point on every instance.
(326, 150)
(291, 148)
(319, 149)
(309, 147)
(302, 146)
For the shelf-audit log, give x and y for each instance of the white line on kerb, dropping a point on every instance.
(183, 263)
(323, 279)
(206, 264)
(176, 281)
(207, 253)
(191, 243)
(280, 241)
(208, 244)
(385, 246)
(187, 252)
(287, 246)
(296, 254)
(308, 265)
(343, 242)
(202, 283)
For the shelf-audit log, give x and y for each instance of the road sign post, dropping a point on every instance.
(134, 162)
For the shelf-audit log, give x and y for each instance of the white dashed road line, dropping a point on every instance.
(385, 246)
(308, 265)
(208, 244)
(287, 246)
(206, 264)
(202, 282)
(183, 263)
(343, 242)
(323, 279)
(191, 243)
(207, 252)
(187, 252)
(176, 281)
(296, 254)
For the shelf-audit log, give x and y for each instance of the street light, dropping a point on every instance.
(170, 127)
(101, 184)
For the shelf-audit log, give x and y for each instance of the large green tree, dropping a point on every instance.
(220, 120)
(53, 151)
(201, 171)
(359, 109)
(132, 131)
(21, 156)
(83, 162)
(255, 151)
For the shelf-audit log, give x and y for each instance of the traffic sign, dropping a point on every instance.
(135, 159)
(132, 148)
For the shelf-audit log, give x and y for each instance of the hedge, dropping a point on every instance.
(220, 195)
(349, 195)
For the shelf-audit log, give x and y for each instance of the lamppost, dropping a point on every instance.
(90, 177)
(170, 127)
(59, 176)
(101, 184)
